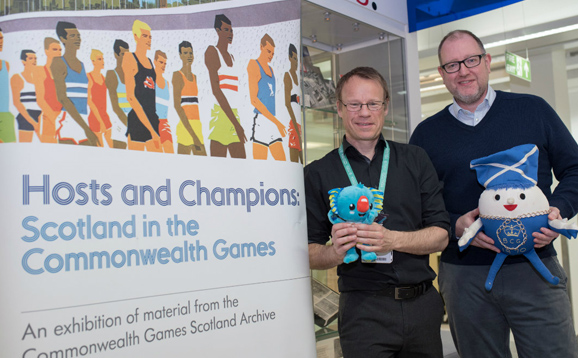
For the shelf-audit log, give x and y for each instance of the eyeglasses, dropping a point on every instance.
(356, 107)
(473, 61)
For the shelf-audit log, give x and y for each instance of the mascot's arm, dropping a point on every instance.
(562, 226)
(469, 234)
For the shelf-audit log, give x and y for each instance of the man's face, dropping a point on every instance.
(269, 51)
(145, 39)
(161, 64)
(72, 39)
(187, 55)
(120, 55)
(364, 125)
(294, 60)
(54, 50)
(226, 32)
(468, 85)
(30, 60)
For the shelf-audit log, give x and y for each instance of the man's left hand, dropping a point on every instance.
(545, 236)
(379, 239)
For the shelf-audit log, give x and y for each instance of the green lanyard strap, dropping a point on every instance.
(384, 167)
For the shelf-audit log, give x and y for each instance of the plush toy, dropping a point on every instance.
(512, 207)
(358, 204)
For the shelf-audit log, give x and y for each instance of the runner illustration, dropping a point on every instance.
(293, 104)
(7, 132)
(46, 92)
(186, 101)
(140, 78)
(227, 134)
(117, 92)
(267, 130)
(24, 98)
(98, 119)
(162, 102)
(71, 85)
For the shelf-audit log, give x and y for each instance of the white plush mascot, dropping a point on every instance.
(512, 207)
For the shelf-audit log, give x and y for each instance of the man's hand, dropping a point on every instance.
(481, 240)
(545, 236)
(379, 239)
(343, 236)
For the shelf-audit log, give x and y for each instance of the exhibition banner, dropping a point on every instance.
(172, 223)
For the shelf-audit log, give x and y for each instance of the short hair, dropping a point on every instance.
(117, 45)
(49, 41)
(455, 35)
(184, 44)
(61, 27)
(24, 54)
(219, 19)
(95, 53)
(138, 26)
(292, 50)
(160, 53)
(368, 73)
(266, 38)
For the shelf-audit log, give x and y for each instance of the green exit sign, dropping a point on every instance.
(518, 66)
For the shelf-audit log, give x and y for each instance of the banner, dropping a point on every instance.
(117, 246)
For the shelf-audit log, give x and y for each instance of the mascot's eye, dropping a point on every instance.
(351, 207)
(522, 196)
(370, 206)
(497, 197)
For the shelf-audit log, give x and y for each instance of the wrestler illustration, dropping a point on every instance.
(227, 134)
(7, 132)
(292, 102)
(114, 80)
(162, 102)
(24, 98)
(267, 130)
(71, 84)
(140, 78)
(98, 119)
(186, 101)
(46, 92)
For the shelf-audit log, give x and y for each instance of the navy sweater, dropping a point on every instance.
(513, 119)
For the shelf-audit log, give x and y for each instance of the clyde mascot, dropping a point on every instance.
(512, 207)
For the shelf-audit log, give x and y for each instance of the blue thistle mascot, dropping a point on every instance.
(512, 207)
(358, 204)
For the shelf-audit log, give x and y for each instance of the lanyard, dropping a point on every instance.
(384, 167)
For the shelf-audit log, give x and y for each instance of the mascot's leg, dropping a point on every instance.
(350, 256)
(498, 261)
(542, 269)
(368, 256)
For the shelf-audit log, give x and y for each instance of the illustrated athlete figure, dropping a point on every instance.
(227, 134)
(71, 85)
(292, 96)
(140, 78)
(186, 101)
(24, 98)
(162, 102)
(98, 119)
(7, 133)
(46, 92)
(267, 130)
(114, 80)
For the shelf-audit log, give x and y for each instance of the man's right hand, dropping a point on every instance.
(343, 237)
(481, 240)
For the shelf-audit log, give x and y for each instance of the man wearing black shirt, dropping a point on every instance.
(387, 308)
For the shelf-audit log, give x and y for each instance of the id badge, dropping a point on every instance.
(386, 258)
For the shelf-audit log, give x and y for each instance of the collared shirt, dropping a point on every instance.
(473, 118)
(413, 200)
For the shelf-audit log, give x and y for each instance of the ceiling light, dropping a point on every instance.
(381, 36)
(313, 38)
(532, 36)
(326, 16)
(356, 26)
(339, 47)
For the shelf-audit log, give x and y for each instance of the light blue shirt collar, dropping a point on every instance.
(474, 118)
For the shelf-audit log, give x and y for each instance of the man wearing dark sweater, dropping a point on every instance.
(481, 122)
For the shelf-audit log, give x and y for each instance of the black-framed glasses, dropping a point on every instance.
(472, 61)
(356, 107)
